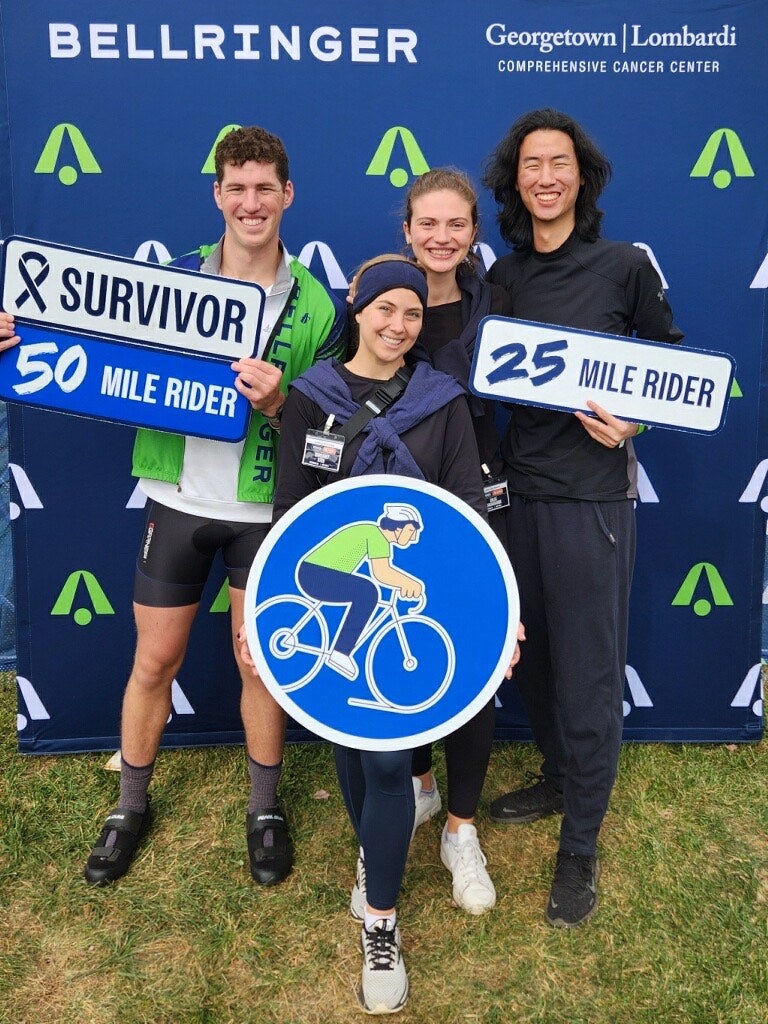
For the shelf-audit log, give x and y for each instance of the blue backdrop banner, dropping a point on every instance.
(109, 118)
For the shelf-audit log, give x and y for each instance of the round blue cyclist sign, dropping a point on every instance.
(381, 612)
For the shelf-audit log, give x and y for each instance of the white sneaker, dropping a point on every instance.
(384, 987)
(343, 664)
(473, 889)
(427, 804)
(357, 899)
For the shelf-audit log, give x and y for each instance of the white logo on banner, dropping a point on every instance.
(238, 42)
(179, 701)
(639, 694)
(333, 271)
(35, 708)
(752, 490)
(486, 254)
(645, 489)
(750, 692)
(27, 493)
(152, 252)
(138, 498)
(760, 280)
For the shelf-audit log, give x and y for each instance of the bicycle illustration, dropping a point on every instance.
(409, 655)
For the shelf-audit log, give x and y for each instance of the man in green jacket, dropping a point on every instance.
(205, 496)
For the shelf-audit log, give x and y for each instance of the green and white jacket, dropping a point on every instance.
(309, 325)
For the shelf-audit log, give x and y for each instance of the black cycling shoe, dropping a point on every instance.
(107, 863)
(269, 864)
(527, 804)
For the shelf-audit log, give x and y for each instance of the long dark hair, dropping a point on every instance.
(501, 177)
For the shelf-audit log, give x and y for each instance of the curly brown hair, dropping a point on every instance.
(254, 143)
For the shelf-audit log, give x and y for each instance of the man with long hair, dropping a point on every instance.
(572, 481)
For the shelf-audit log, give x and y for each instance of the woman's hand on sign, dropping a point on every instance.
(516, 655)
(8, 335)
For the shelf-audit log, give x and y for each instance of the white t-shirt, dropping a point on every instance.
(208, 483)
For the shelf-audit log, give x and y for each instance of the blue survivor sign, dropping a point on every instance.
(355, 660)
(126, 341)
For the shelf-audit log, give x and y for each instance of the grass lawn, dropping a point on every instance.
(681, 936)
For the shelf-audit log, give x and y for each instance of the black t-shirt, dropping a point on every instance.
(441, 325)
(610, 287)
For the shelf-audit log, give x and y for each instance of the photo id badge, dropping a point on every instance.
(322, 450)
(496, 495)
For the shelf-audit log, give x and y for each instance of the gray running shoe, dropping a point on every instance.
(384, 987)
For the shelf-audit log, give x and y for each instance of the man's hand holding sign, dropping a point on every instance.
(259, 383)
(606, 429)
(8, 335)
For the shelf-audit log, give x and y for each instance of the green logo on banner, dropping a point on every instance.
(398, 176)
(66, 598)
(718, 589)
(221, 601)
(209, 167)
(52, 150)
(722, 178)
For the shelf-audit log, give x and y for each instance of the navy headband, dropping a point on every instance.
(383, 277)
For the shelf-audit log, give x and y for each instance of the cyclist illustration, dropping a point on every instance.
(329, 574)
(409, 657)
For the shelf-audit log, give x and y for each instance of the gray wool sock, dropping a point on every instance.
(134, 783)
(264, 782)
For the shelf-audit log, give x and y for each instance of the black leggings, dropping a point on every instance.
(467, 753)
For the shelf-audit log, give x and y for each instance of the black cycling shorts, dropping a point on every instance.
(177, 550)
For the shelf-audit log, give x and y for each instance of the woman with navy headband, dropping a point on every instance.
(429, 417)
